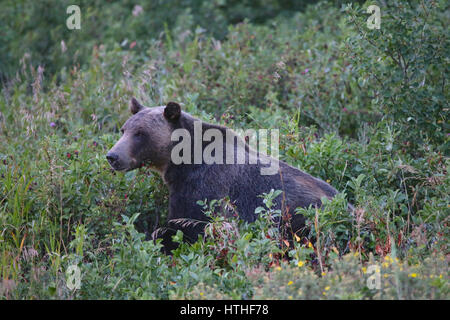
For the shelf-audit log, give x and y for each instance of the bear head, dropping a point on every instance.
(145, 138)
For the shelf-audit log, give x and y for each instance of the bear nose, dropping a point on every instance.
(112, 157)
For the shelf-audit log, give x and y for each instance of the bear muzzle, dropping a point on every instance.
(119, 164)
(114, 161)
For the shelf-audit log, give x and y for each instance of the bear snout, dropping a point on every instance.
(113, 159)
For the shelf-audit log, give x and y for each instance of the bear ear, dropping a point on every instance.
(135, 106)
(172, 111)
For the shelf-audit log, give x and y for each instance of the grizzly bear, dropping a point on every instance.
(151, 137)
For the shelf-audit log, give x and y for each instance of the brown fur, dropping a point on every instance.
(147, 139)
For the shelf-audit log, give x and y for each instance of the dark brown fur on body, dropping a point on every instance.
(146, 139)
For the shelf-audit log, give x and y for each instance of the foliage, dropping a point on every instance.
(30, 30)
(399, 66)
(364, 110)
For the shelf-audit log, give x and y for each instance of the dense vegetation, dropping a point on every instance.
(365, 110)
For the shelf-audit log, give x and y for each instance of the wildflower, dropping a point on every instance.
(290, 297)
(290, 283)
(137, 10)
(328, 180)
(63, 46)
(327, 288)
(301, 263)
(323, 274)
(68, 155)
(281, 65)
(276, 76)
(52, 124)
(364, 269)
(310, 244)
(413, 275)
(278, 268)
(385, 264)
(201, 293)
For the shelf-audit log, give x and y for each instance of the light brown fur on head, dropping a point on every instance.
(145, 139)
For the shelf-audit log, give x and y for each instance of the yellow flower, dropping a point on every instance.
(386, 276)
(201, 293)
(290, 298)
(328, 180)
(310, 244)
(327, 288)
(440, 276)
(364, 269)
(300, 263)
(290, 283)
(385, 264)
(278, 268)
(323, 274)
(413, 275)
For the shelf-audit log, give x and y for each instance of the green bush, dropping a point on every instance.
(35, 29)
(335, 90)
(404, 68)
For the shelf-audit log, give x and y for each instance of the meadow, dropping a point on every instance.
(364, 109)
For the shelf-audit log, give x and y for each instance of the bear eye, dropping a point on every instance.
(139, 134)
(121, 130)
